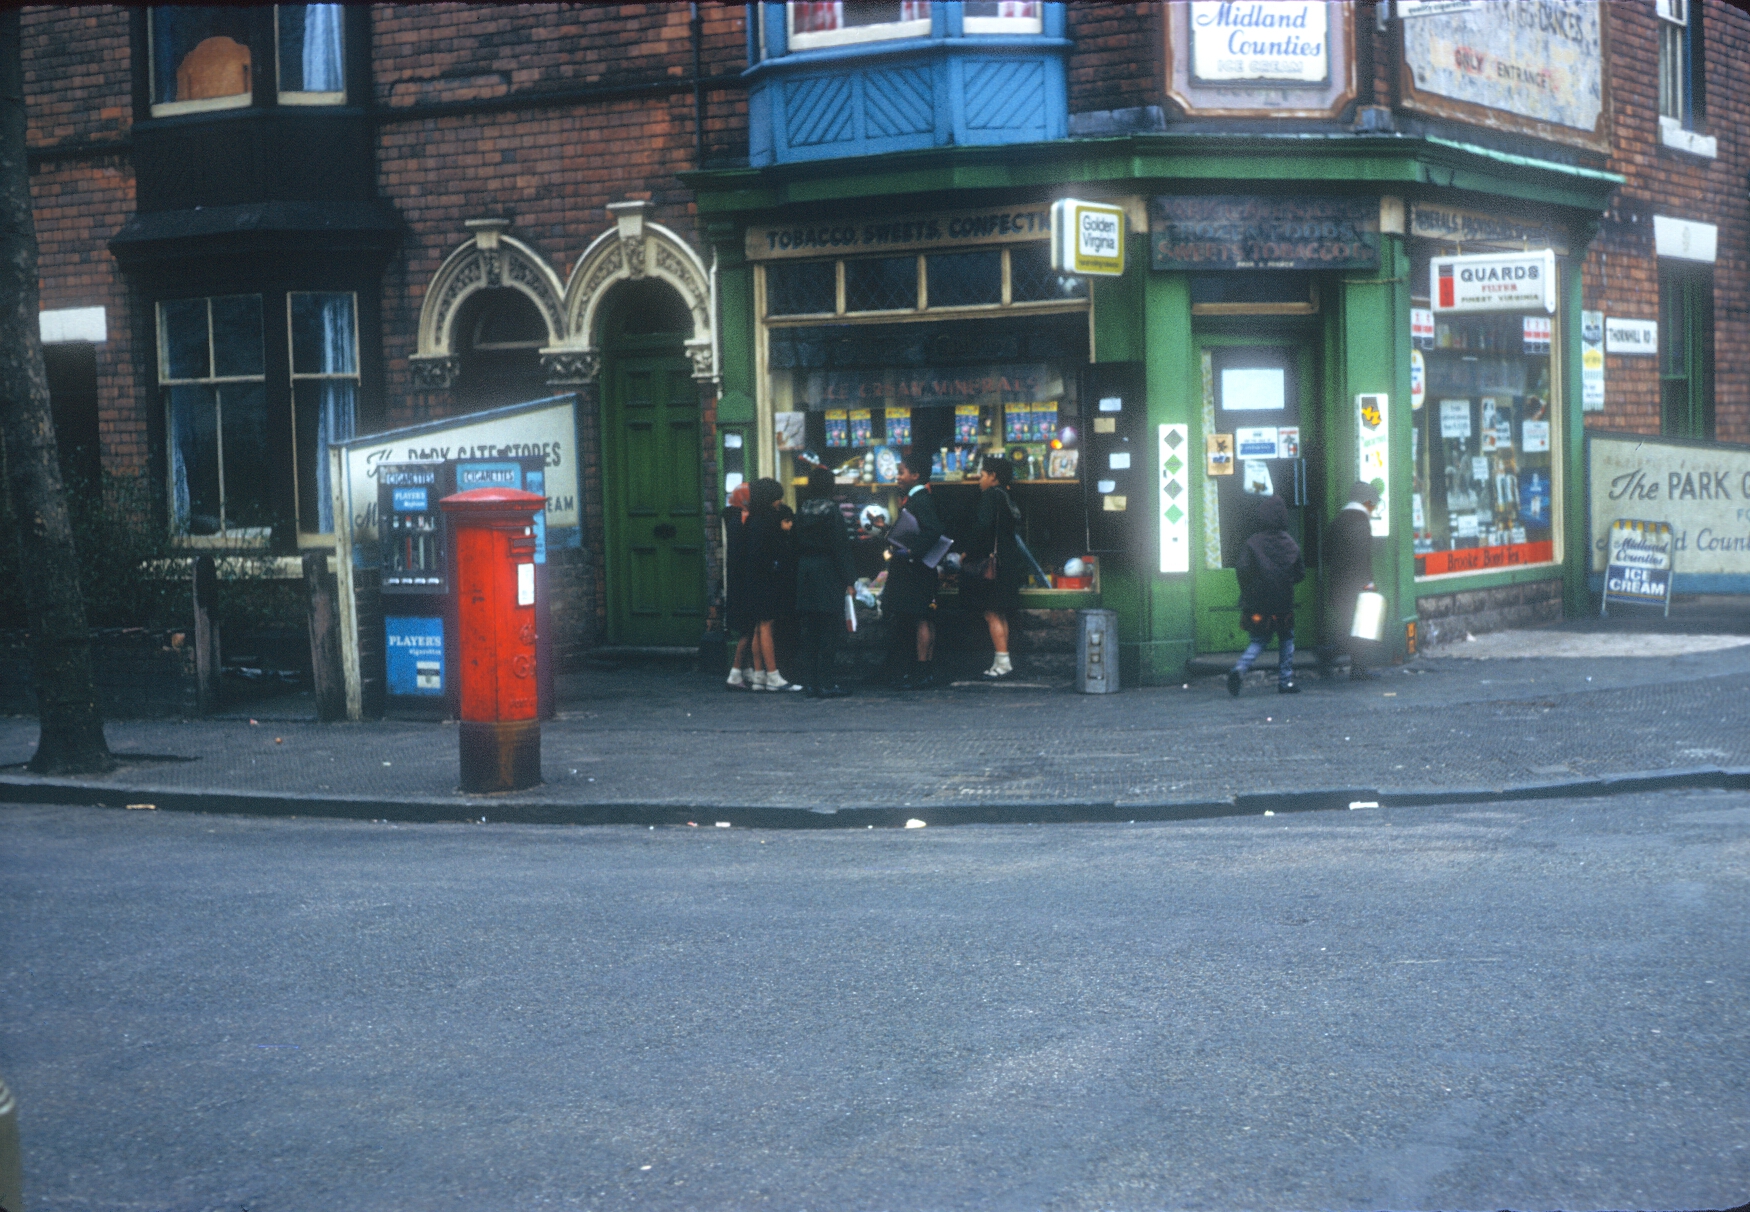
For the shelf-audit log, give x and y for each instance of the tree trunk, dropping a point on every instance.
(71, 740)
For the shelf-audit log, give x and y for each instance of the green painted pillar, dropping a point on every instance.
(1576, 558)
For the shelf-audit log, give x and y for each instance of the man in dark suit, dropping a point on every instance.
(909, 600)
(1347, 560)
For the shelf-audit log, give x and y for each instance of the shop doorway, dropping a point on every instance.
(1262, 394)
(652, 496)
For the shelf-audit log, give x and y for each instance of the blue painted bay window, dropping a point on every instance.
(861, 77)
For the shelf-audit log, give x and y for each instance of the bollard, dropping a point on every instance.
(11, 1165)
(493, 541)
(1097, 651)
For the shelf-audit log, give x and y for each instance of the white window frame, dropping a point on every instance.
(1005, 25)
(886, 31)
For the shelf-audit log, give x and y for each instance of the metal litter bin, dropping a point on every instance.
(1097, 651)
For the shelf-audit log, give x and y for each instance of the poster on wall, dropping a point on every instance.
(1592, 361)
(1373, 455)
(1534, 67)
(1701, 489)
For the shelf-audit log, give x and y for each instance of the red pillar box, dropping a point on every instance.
(493, 541)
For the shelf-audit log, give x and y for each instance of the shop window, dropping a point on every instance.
(212, 370)
(1277, 292)
(801, 288)
(325, 384)
(843, 22)
(1686, 299)
(499, 335)
(882, 284)
(1004, 16)
(311, 54)
(1482, 444)
(1681, 96)
(1033, 280)
(968, 279)
(200, 58)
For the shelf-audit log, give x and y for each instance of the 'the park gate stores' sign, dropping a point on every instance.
(1536, 67)
(1233, 232)
(1702, 489)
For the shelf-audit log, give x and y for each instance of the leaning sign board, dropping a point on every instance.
(1700, 489)
(1533, 67)
(1638, 567)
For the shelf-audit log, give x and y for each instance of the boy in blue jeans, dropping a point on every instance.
(1270, 566)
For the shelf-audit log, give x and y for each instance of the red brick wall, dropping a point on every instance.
(1621, 270)
(78, 81)
(1116, 63)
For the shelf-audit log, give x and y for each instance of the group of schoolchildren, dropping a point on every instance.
(803, 563)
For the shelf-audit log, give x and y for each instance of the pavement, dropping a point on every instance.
(1535, 1005)
(1588, 707)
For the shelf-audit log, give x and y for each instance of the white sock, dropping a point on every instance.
(735, 678)
(757, 679)
(1001, 664)
(775, 681)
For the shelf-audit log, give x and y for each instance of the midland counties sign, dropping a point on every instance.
(1638, 565)
(1702, 489)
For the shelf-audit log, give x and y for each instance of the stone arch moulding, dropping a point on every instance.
(634, 248)
(487, 260)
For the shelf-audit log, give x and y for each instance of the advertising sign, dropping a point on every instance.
(843, 235)
(1636, 338)
(1534, 67)
(1173, 501)
(1087, 238)
(547, 428)
(1238, 232)
(1700, 489)
(1373, 455)
(415, 655)
(1592, 361)
(1285, 41)
(1496, 282)
(1638, 567)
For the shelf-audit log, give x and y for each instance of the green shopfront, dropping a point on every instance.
(1279, 327)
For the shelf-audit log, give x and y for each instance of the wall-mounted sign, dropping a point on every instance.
(1373, 454)
(1173, 502)
(1218, 454)
(1478, 231)
(1409, 10)
(1699, 488)
(1238, 232)
(1591, 361)
(1499, 282)
(1421, 328)
(828, 390)
(1685, 240)
(1087, 238)
(1255, 442)
(1533, 67)
(1282, 40)
(1418, 379)
(850, 235)
(1637, 338)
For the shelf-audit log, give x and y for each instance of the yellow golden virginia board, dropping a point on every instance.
(1087, 238)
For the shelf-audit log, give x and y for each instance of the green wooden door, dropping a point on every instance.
(651, 493)
(1260, 384)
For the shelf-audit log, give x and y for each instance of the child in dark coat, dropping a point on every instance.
(1270, 567)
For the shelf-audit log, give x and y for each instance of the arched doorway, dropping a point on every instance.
(653, 498)
(498, 336)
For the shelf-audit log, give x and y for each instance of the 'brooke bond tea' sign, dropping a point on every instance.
(1236, 232)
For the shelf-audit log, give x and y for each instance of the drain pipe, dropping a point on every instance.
(698, 87)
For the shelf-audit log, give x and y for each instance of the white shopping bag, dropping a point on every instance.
(1369, 616)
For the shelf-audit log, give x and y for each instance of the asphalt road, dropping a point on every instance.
(1541, 1006)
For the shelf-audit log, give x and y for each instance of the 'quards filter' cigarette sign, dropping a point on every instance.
(1504, 282)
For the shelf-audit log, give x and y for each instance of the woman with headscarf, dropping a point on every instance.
(1347, 557)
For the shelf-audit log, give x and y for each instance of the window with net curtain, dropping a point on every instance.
(211, 367)
(311, 48)
(900, 18)
(324, 396)
(201, 56)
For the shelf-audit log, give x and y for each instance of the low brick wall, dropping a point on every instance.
(137, 674)
(1445, 617)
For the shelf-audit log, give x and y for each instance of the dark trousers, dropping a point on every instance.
(902, 644)
(820, 645)
(1339, 618)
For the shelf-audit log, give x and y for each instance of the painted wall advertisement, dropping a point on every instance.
(1284, 41)
(1702, 489)
(547, 428)
(1533, 66)
(1237, 232)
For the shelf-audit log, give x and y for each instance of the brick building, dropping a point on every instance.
(437, 180)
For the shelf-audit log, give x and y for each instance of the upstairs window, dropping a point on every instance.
(311, 54)
(200, 59)
(1005, 16)
(817, 23)
(1681, 98)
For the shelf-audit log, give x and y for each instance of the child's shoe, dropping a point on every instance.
(1234, 677)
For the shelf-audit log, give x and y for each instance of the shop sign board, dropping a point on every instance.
(1592, 361)
(1480, 231)
(547, 428)
(1636, 338)
(1409, 10)
(1700, 489)
(835, 389)
(854, 235)
(1494, 282)
(1239, 232)
(1638, 565)
(1534, 67)
(1282, 41)
(1421, 328)
(1373, 454)
(1087, 238)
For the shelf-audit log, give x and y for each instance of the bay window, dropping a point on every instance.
(206, 57)
(325, 380)
(211, 366)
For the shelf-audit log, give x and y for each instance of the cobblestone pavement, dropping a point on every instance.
(668, 738)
